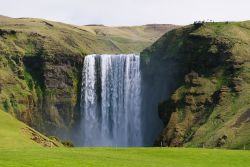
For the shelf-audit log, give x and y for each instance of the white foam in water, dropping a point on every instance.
(111, 100)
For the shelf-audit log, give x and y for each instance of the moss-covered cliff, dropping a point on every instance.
(39, 74)
(209, 104)
(41, 65)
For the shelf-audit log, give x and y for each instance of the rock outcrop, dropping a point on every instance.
(211, 88)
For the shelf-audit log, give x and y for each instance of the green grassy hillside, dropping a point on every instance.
(209, 105)
(41, 64)
(15, 134)
(132, 39)
(64, 38)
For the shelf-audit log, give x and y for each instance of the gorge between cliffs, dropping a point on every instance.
(112, 112)
(185, 86)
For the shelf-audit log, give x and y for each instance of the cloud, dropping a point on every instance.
(127, 12)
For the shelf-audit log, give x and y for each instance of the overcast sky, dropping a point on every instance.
(128, 12)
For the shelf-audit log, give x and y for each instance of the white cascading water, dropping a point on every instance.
(111, 100)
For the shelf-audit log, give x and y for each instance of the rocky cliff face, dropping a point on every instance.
(59, 83)
(41, 64)
(210, 96)
(62, 80)
(39, 90)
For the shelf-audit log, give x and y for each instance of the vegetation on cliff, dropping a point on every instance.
(41, 65)
(209, 107)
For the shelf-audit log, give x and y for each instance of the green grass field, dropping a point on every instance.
(128, 157)
(18, 150)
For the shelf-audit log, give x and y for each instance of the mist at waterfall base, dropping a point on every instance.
(119, 103)
(161, 76)
(111, 101)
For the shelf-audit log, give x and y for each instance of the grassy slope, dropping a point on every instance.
(157, 157)
(211, 106)
(14, 134)
(134, 38)
(60, 37)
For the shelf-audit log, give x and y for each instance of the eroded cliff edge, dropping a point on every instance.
(205, 68)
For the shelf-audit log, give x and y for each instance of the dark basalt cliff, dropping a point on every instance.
(59, 81)
(205, 68)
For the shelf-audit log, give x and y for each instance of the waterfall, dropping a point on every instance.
(111, 100)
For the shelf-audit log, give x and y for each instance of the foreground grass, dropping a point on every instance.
(11, 134)
(132, 157)
(15, 134)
